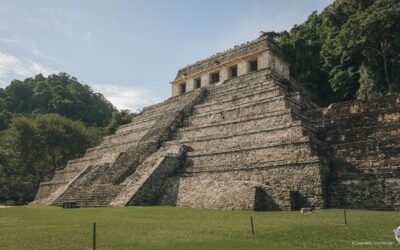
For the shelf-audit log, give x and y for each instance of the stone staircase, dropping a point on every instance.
(143, 186)
(365, 143)
(246, 135)
(93, 179)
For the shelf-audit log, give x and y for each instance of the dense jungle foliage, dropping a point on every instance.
(351, 50)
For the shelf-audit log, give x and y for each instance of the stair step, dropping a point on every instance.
(299, 149)
(242, 100)
(248, 110)
(210, 143)
(355, 134)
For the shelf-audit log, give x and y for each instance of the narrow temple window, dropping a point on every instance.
(182, 88)
(233, 71)
(214, 77)
(253, 65)
(197, 83)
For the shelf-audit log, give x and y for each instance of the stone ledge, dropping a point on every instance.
(171, 100)
(324, 120)
(302, 140)
(103, 146)
(65, 170)
(241, 102)
(236, 98)
(359, 106)
(51, 183)
(110, 138)
(85, 159)
(220, 91)
(241, 133)
(125, 131)
(263, 102)
(260, 166)
(369, 132)
(151, 121)
(395, 139)
(239, 120)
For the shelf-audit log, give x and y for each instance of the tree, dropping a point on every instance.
(373, 35)
(350, 50)
(32, 149)
(368, 82)
(118, 119)
(59, 94)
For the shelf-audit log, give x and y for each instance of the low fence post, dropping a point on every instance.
(252, 225)
(94, 235)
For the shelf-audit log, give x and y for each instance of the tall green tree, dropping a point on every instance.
(32, 149)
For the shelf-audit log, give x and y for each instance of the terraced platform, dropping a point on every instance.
(364, 140)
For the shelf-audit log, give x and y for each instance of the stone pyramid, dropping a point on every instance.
(239, 134)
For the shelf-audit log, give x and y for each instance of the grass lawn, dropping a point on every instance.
(33, 227)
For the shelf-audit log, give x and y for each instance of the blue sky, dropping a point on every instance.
(131, 50)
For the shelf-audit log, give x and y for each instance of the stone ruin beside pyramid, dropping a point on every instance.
(238, 133)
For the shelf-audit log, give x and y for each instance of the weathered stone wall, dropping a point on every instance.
(236, 189)
(365, 151)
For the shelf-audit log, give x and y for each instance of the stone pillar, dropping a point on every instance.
(205, 80)
(190, 85)
(175, 89)
(243, 68)
(269, 60)
(282, 67)
(223, 74)
(263, 60)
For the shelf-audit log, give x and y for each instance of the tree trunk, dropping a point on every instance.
(384, 48)
(385, 67)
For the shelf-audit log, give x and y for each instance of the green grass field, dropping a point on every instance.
(183, 228)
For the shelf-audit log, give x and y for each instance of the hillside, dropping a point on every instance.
(44, 122)
(60, 94)
(351, 50)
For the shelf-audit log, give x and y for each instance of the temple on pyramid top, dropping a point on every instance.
(240, 60)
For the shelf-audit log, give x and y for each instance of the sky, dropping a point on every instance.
(130, 51)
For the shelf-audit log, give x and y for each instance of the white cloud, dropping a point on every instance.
(132, 98)
(12, 67)
(36, 51)
(8, 40)
(88, 38)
